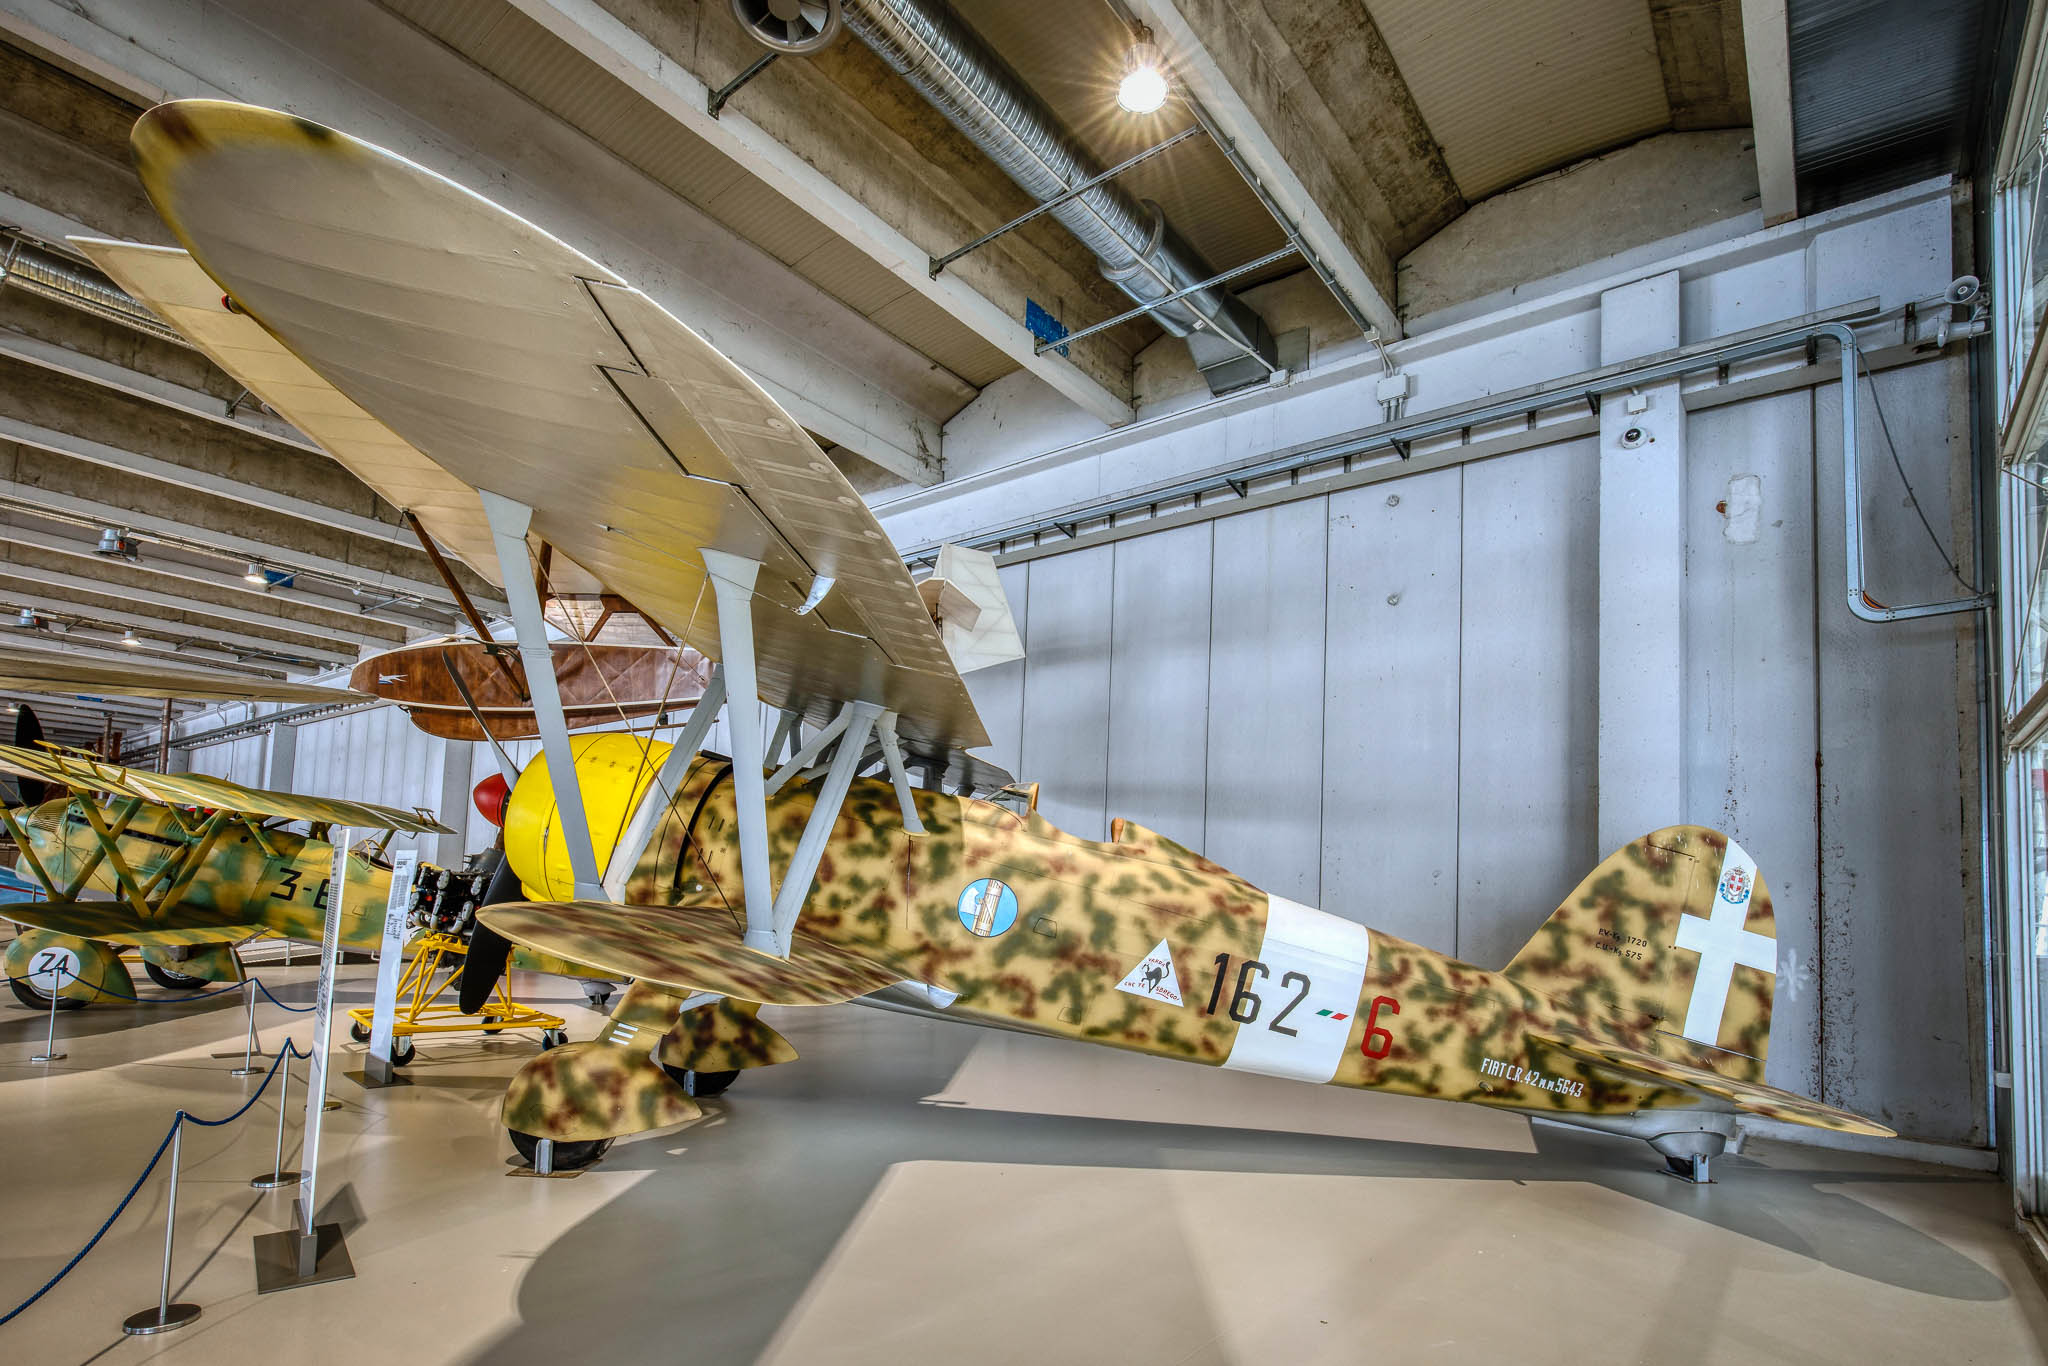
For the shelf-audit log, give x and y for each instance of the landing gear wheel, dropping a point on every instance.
(401, 1051)
(37, 1000)
(569, 1157)
(553, 1038)
(359, 1032)
(700, 1084)
(171, 981)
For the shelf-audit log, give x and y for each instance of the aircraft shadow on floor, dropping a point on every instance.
(727, 1234)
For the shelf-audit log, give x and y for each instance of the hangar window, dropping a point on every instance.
(2019, 231)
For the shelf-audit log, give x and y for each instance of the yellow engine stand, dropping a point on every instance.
(422, 1011)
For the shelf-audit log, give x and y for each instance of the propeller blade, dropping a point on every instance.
(28, 732)
(489, 951)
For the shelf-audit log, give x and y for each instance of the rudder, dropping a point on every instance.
(1672, 935)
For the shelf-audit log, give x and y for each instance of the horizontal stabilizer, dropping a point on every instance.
(690, 948)
(115, 922)
(1753, 1097)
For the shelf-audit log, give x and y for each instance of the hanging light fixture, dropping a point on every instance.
(1143, 87)
(26, 619)
(254, 574)
(131, 640)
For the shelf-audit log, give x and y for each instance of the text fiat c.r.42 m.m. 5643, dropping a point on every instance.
(539, 397)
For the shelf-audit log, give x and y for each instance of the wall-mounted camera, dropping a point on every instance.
(1632, 437)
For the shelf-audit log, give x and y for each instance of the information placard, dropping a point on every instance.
(323, 1017)
(391, 957)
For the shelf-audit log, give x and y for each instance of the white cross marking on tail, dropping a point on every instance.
(1722, 942)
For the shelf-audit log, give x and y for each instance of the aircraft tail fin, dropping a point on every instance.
(1672, 934)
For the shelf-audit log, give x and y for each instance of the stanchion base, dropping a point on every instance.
(277, 1259)
(240, 1053)
(270, 1181)
(147, 1321)
(49, 1057)
(247, 1071)
(370, 1083)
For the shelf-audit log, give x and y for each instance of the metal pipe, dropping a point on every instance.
(947, 62)
(939, 263)
(277, 1175)
(50, 1053)
(248, 1067)
(1249, 266)
(1578, 389)
(714, 103)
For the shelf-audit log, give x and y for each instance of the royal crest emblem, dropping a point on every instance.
(1735, 886)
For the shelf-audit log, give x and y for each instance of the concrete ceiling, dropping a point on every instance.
(792, 228)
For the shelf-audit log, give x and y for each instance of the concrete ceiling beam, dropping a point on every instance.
(255, 539)
(1218, 61)
(660, 78)
(93, 644)
(227, 597)
(91, 601)
(42, 568)
(1767, 43)
(839, 374)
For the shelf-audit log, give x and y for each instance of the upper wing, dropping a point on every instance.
(1768, 1101)
(49, 671)
(82, 774)
(690, 948)
(521, 366)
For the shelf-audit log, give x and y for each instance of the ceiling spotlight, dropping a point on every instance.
(131, 640)
(1143, 87)
(117, 545)
(254, 574)
(26, 619)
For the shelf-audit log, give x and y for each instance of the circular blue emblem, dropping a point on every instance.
(988, 907)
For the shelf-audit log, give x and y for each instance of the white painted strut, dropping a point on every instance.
(892, 754)
(810, 847)
(732, 583)
(509, 521)
(633, 843)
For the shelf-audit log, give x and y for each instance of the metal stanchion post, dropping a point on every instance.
(248, 1067)
(50, 1053)
(277, 1175)
(165, 1316)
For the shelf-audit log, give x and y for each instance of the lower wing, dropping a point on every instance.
(1754, 1097)
(690, 948)
(115, 922)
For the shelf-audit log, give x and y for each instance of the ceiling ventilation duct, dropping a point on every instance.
(962, 77)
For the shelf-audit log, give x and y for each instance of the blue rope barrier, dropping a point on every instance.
(290, 1049)
(164, 1000)
(264, 987)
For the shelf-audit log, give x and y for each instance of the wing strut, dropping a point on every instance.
(732, 583)
(892, 754)
(626, 853)
(509, 521)
(810, 846)
(807, 753)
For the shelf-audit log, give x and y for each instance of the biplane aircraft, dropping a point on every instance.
(184, 866)
(565, 404)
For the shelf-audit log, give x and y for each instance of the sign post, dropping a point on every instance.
(306, 1253)
(377, 1069)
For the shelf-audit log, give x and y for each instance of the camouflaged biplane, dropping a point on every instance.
(185, 865)
(510, 390)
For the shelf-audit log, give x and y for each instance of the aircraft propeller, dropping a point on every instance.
(489, 951)
(28, 732)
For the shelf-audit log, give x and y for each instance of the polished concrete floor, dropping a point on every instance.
(913, 1192)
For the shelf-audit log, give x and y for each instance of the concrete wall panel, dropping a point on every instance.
(1390, 708)
(1159, 682)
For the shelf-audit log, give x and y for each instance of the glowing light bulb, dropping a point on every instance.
(1143, 87)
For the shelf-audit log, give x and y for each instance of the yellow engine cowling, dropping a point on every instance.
(613, 771)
